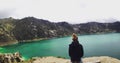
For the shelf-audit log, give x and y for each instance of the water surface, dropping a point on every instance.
(94, 45)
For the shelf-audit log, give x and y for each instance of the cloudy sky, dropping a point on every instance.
(72, 11)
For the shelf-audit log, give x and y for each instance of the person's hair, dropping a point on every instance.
(74, 37)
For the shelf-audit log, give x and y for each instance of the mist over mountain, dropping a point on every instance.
(30, 28)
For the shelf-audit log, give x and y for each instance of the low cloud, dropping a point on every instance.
(6, 13)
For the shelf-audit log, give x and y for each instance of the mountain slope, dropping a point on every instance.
(6, 27)
(30, 28)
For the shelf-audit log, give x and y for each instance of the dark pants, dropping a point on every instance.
(76, 61)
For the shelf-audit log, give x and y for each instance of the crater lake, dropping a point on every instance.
(94, 45)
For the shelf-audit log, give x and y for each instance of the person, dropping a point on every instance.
(75, 50)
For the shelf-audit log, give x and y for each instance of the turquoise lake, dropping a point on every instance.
(94, 45)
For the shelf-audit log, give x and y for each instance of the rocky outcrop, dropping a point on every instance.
(101, 59)
(10, 58)
(17, 58)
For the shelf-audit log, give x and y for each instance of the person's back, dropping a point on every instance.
(75, 50)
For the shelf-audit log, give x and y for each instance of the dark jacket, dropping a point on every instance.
(75, 51)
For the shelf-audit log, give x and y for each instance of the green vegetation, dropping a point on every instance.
(6, 27)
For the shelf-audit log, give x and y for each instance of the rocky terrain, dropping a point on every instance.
(101, 59)
(30, 28)
(10, 58)
(17, 58)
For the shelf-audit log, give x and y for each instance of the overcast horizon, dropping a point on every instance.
(71, 11)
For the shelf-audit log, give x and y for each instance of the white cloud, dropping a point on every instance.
(73, 11)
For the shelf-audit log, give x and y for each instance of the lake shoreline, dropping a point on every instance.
(8, 43)
(34, 40)
(24, 41)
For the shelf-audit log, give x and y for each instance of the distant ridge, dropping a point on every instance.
(30, 28)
